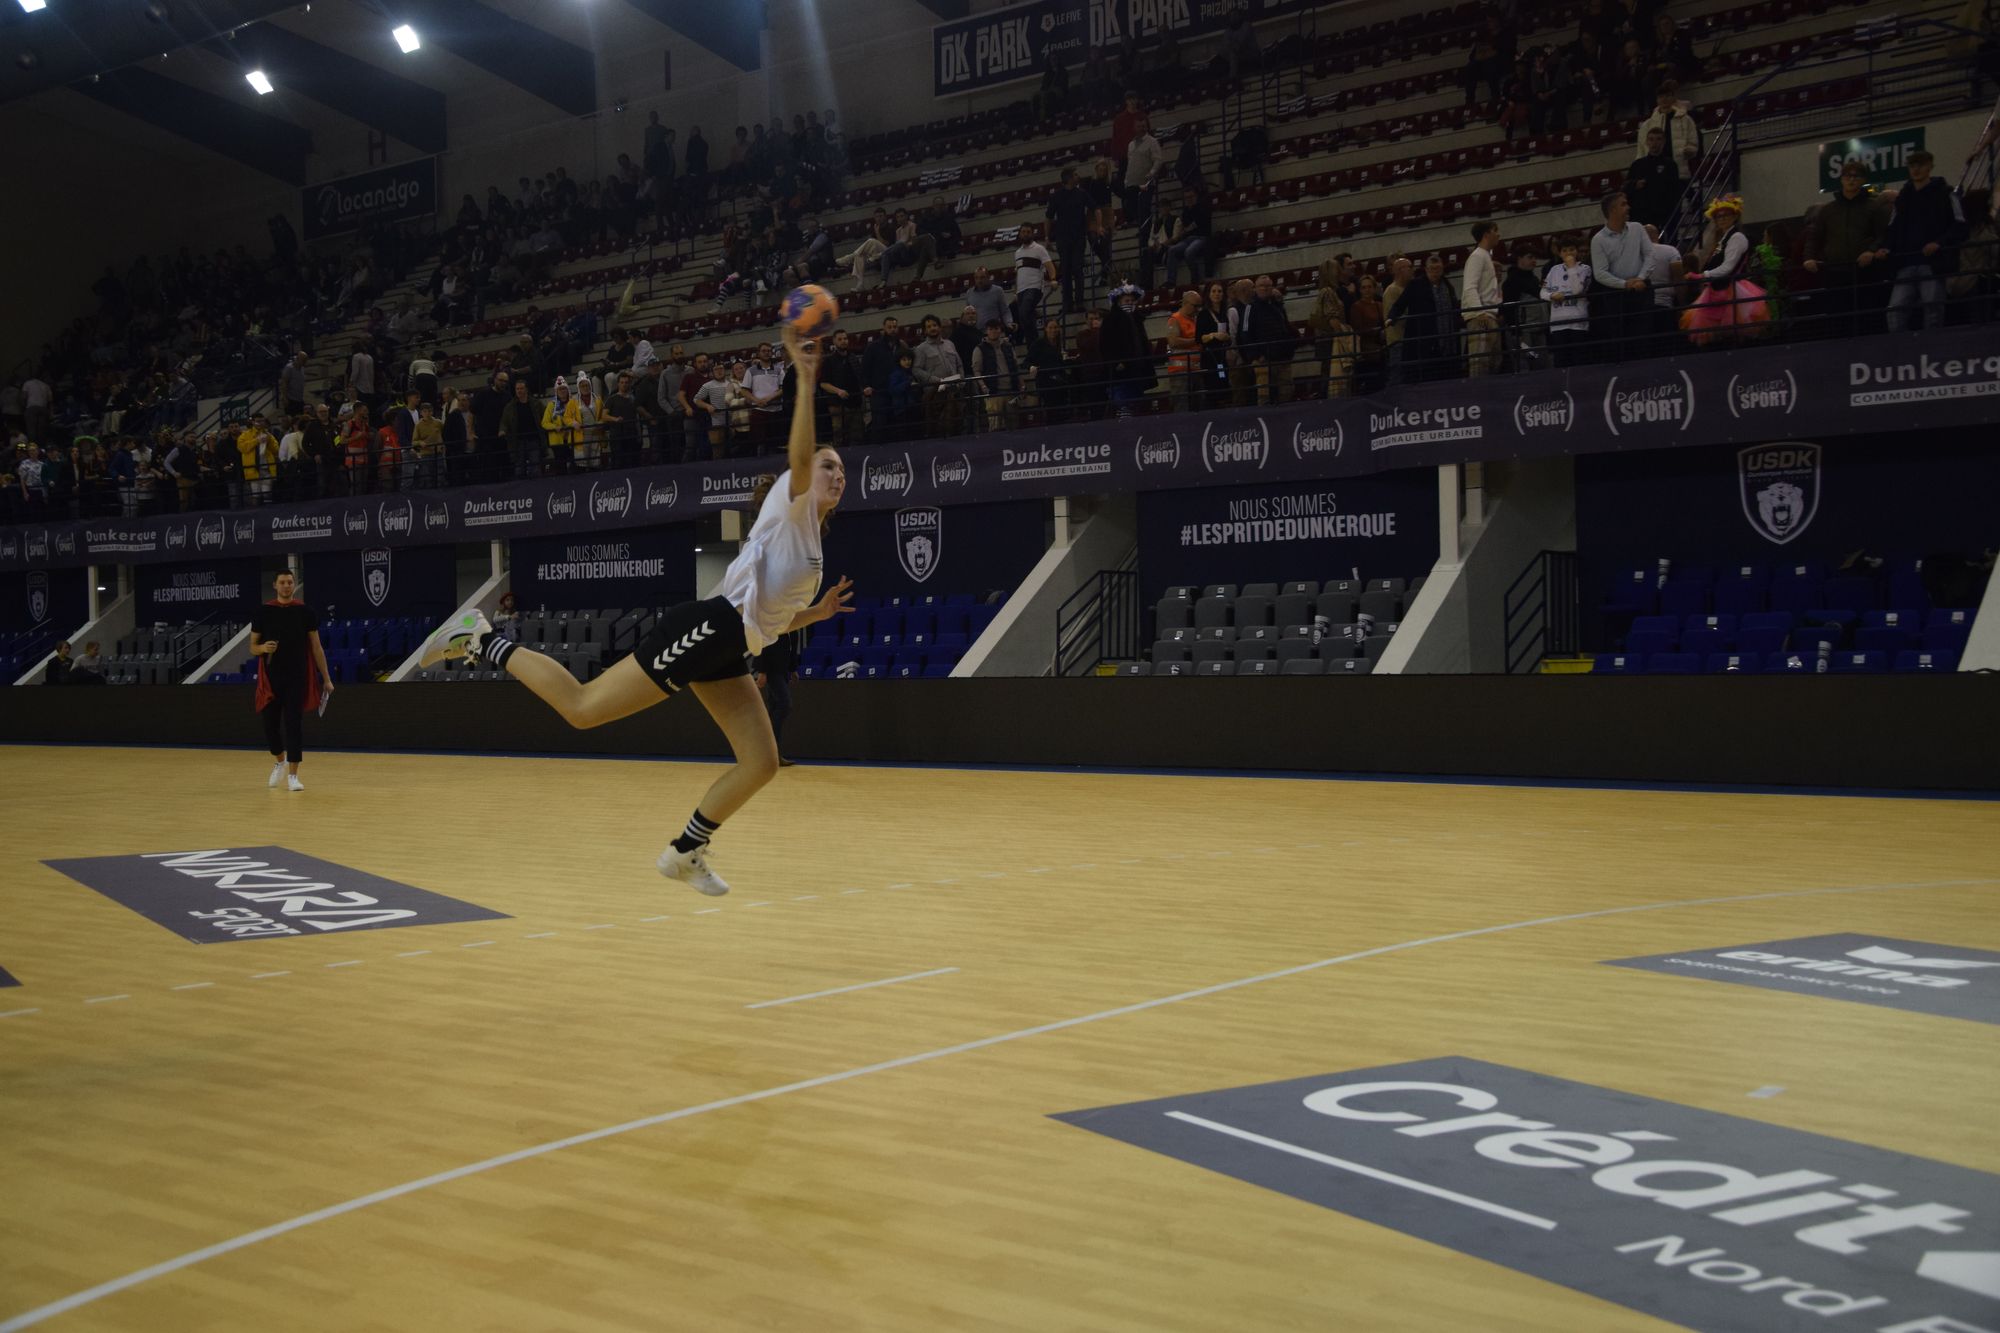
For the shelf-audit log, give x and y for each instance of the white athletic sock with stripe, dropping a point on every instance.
(699, 830)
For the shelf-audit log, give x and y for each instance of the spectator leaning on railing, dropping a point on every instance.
(1926, 226)
(1618, 255)
(1842, 236)
(1480, 302)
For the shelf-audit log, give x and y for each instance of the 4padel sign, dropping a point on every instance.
(1869, 969)
(246, 893)
(1711, 1221)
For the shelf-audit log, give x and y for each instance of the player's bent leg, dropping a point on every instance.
(623, 689)
(739, 710)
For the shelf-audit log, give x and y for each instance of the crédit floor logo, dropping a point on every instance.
(1710, 1221)
(1941, 979)
(224, 893)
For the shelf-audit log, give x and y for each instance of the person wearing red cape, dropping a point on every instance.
(291, 675)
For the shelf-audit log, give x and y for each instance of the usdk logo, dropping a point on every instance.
(920, 540)
(376, 567)
(209, 535)
(437, 517)
(177, 537)
(894, 475)
(1164, 455)
(610, 499)
(395, 518)
(662, 496)
(561, 504)
(1318, 441)
(1553, 413)
(354, 523)
(950, 471)
(1779, 393)
(38, 596)
(243, 531)
(1243, 447)
(65, 544)
(1669, 404)
(1780, 488)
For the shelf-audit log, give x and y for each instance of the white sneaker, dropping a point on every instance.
(692, 869)
(292, 783)
(463, 637)
(277, 774)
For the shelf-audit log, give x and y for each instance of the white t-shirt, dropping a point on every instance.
(293, 445)
(1660, 261)
(36, 392)
(776, 575)
(1027, 276)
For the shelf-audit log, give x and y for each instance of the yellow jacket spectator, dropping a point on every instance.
(259, 452)
(561, 417)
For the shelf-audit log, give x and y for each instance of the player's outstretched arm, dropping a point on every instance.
(799, 452)
(839, 599)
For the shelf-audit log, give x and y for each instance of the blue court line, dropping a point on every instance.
(1294, 775)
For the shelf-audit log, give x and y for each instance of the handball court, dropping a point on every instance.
(828, 1100)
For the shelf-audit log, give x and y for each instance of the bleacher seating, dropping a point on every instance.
(21, 649)
(164, 655)
(908, 638)
(1299, 627)
(585, 641)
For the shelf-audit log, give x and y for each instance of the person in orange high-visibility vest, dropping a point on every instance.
(354, 447)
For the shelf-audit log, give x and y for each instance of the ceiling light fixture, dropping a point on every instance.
(34, 6)
(259, 80)
(406, 38)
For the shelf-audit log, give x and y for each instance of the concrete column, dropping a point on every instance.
(1448, 514)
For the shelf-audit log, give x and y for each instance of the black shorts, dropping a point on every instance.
(695, 641)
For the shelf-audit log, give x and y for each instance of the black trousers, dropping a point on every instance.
(284, 723)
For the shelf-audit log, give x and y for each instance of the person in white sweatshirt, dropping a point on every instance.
(1566, 287)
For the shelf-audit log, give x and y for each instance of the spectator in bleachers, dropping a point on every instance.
(1212, 333)
(1480, 302)
(1127, 351)
(1523, 312)
(361, 374)
(1926, 227)
(259, 452)
(711, 404)
(1052, 93)
(58, 670)
(911, 246)
(764, 381)
(520, 430)
(1489, 60)
(1068, 213)
(878, 367)
(840, 391)
(1184, 353)
(1191, 246)
(1587, 65)
(1618, 253)
(1047, 376)
(1653, 183)
(1401, 271)
(1125, 128)
(940, 223)
(1971, 289)
(1143, 159)
(1664, 271)
(869, 250)
(89, 668)
(964, 333)
(1160, 233)
(1033, 269)
(1269, 343)
(987, 301)
(1566, 287)
(1729, 303)
(998, 372)
(1675, 120)
(937, 369)
(1672, 54)
(1842, 236)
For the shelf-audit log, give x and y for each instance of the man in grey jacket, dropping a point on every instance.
(938, 369)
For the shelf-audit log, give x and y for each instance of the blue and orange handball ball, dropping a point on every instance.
(811, 310)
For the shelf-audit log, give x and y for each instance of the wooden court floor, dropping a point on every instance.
(883, 1158)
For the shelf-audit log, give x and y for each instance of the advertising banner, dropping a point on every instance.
(57, 598)
(1887, 157)
(927, 549)
(634, 568)
(1946, 381)
(406, 192)
(199, 591)
(381, 581)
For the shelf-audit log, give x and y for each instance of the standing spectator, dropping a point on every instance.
(521, 431)
(1333, 337)
(964, 334)
(12, 419)
(987, 302)
(1566, 287)
(1271, 343)
(1618, 278)
(1184, 352)
(1676, 123)
(1364, 316)
(1926, 226)
(291, 460)
(489, 449)
(1160, 234)
(1127, 351)
(1125, 127)
(389, 455)
(1047, 375)
(322, 461)
(184, 468)
(1588, 65)
(1481, 303)
(1191, 244)
(461, 432)
(57, 672)
(1423, 313)
(403, 420)
(1187, 161)
(1401, 271)
(1970, 290)
(1068, 213)
(1842, 237)
(1524, 312)
(711, 406)
(361, 374)
(764, 381)
(1673, 55)
(559, 426)
(840, 386)
(999, 375)
(1143, 159)
(938, 370)
(423, 374)
(1664, 271)
(356, 449)
(1052, 93)
(1654, 182)
(878, 367)
(36, 397)
(1729, 304)
(621, 423)
(425, 467)
(1212, 335)
(259, 453)
(292, 387)
(1032, 271)
(695, 414)
(1548, 92)
(1102, 192)
(589, 454)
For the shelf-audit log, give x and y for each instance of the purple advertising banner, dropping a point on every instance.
(1948, 379)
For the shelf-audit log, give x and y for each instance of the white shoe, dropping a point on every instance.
(277, 774)
(463, 637)
(692, 869)
(292, 783)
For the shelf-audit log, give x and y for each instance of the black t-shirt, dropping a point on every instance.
(289, 623)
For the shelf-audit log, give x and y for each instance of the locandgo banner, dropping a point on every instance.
(1944, 380)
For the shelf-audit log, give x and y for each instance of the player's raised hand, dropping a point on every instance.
(839, 598)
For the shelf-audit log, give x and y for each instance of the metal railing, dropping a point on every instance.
(1541, 613)
(1099, 623)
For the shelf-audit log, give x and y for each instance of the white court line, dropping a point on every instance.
(259, 976)
(806, 898)
(609, 925)
(704, 911)
(105, 999)
(845, 892)
(902, 886)
(538, 935)
(29, 1318)
(842, 990)
(481, 944)
(17, 1013)
(192, 985)
(414, 953)
(643, 918)
(765, 903)
(352, 962)
(1453, 1196)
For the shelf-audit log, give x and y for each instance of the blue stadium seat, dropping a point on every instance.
(1916, 659)
(1634, 592)
(1796, 588)
(1673, 664)
(1793, 664)
(1850, 663)
(1889, 631)
(1906, 584)
(1745, 664)
(1653, 634)
(1808, 638)
(1617, 664)
(1708, 634)
(937, 671)
(1947, 630)
(1763, 631)
(1855, 590)
(1684, 598)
